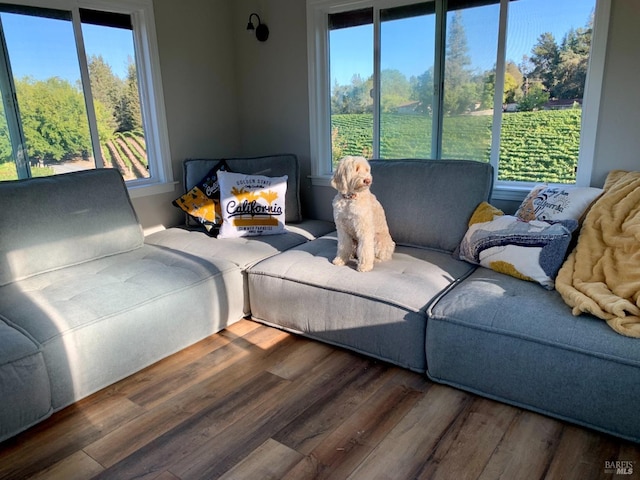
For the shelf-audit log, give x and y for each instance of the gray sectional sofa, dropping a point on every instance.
(86, 299)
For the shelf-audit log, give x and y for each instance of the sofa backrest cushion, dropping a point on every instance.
(270, 166)
(428, 203)
(51, 222)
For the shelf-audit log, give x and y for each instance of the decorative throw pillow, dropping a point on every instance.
(553, 203)
(485, 212)
(532, 251)
(251, 204)
(202, 202)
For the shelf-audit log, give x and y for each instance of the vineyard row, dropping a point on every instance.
(534, 146)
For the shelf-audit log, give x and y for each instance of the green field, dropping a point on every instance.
(126, 151)
(537, 146)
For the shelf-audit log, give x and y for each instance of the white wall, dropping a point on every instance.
(197, 48)
(618, 137)
(272, 81)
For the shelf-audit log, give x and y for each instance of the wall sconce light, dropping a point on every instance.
(262, 32)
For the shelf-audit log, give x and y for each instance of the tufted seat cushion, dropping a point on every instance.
(380, 313)
(24, 383)
(518, 343)
(89, 319)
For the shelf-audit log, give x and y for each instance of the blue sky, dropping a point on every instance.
(408, 45)
(44, 48)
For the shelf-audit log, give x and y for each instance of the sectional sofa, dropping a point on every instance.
(86, 299)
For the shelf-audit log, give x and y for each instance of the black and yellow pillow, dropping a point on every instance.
(202, 202)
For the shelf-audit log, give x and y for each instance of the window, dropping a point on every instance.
(80, 90)
(490, 80)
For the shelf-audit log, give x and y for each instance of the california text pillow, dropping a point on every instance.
(251, 204)
(532, 251)
(202, 202)
(553, 203)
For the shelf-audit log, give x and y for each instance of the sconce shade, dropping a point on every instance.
(262, 31)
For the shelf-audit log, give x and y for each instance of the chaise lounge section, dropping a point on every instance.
(86, 299)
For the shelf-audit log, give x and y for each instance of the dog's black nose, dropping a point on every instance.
(367, 181)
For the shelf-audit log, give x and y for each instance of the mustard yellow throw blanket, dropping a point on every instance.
(601, 276)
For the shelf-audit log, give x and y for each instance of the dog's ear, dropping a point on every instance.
(338, 181)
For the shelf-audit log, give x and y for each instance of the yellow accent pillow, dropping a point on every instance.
(485, 212)
(202, 202)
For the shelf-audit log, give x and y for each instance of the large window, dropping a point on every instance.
(80, 91)
(489, 80)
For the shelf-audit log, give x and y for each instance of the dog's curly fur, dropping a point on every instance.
(360, 220)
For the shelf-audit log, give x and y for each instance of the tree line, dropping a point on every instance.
(552, 71)
(54, 118)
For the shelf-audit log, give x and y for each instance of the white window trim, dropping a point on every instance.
(320, 92)
(149, 85)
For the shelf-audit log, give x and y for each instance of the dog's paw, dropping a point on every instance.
(338, 261)
(364, 267)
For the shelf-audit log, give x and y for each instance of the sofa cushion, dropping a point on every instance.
(53, 222)
(24, 382)
(242, 252)
(429, 202)
(380, 313)
(270, 166)
(91, 319)
(518, 343)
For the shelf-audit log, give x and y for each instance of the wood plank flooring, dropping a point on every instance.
(253, 402)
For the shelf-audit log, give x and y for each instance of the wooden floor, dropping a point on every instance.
(256, 403)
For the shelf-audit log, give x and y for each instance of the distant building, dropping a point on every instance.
(407, 108)
(562, 104)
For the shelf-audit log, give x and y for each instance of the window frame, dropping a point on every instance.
(320, 88)
(149, 85)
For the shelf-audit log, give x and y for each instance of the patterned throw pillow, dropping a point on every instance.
(532, 251)
(252, 205)
(202, 202)
(553, 203)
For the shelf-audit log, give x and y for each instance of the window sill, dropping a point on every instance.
(145, 190)
(320, 180)
(514, 193)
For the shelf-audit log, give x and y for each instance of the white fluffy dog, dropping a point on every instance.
(360, 220)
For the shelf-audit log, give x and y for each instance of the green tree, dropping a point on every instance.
(130, 114)
(545, 58)
(54, 119)
(512, 83)
(106, 89)
(460, 91)
(423, 91)
(395, 89)
(571, 73)
(512, 91)
(6, 153)
(353, 98)
(535, 98)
